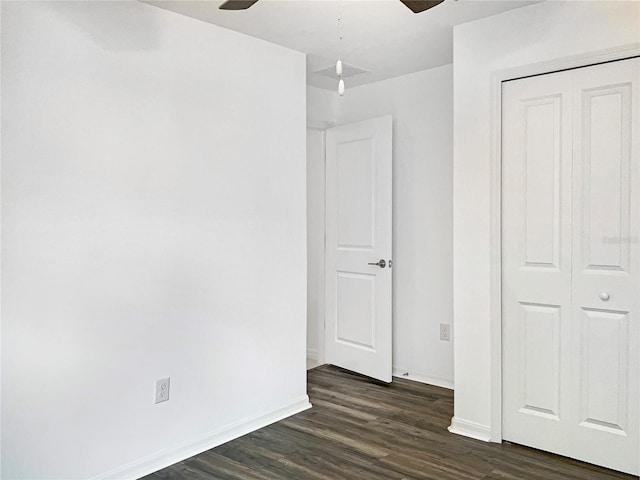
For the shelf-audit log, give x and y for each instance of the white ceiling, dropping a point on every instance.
(383, 37)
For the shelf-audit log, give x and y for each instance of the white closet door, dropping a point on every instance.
(571, 283)
(536, 240)
(606, 262)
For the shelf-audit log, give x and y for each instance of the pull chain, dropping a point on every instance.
(339, 62)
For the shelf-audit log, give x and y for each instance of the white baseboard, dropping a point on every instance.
(153, 463)
(312, 354)
(470, 429)
(422, 378)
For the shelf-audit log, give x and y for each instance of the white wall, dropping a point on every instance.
(538, 33)
(422, 109)
(322, 106)
(153, 224)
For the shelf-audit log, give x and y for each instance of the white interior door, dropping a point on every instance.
(358, 247)
(571, 263)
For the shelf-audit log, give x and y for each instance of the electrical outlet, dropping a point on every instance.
(445, 332)
(162, 390)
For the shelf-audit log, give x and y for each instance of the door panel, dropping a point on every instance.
(604, 370)
(605, 182)
(571, 263)
(356, 194)
(540, 362)
(356, 312)
(358, 228)
(541, 180)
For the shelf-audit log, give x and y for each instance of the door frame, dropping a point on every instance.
(497, 78)
(319, 353)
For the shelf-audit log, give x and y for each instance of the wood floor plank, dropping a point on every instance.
(360, 429)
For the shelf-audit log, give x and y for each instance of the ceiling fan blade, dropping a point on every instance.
(418, 6)
(237, 4)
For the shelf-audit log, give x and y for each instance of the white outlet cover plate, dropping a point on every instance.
(162, 390)
(445, 332)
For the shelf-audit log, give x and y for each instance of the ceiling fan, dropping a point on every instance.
(416, 6)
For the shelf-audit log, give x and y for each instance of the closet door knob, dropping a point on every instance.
(604, 296)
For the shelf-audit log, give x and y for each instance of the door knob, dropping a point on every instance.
(604, 296)
(380, 263)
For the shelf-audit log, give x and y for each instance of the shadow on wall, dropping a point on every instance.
(115, 29)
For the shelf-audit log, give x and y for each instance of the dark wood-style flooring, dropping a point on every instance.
(359, 429)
